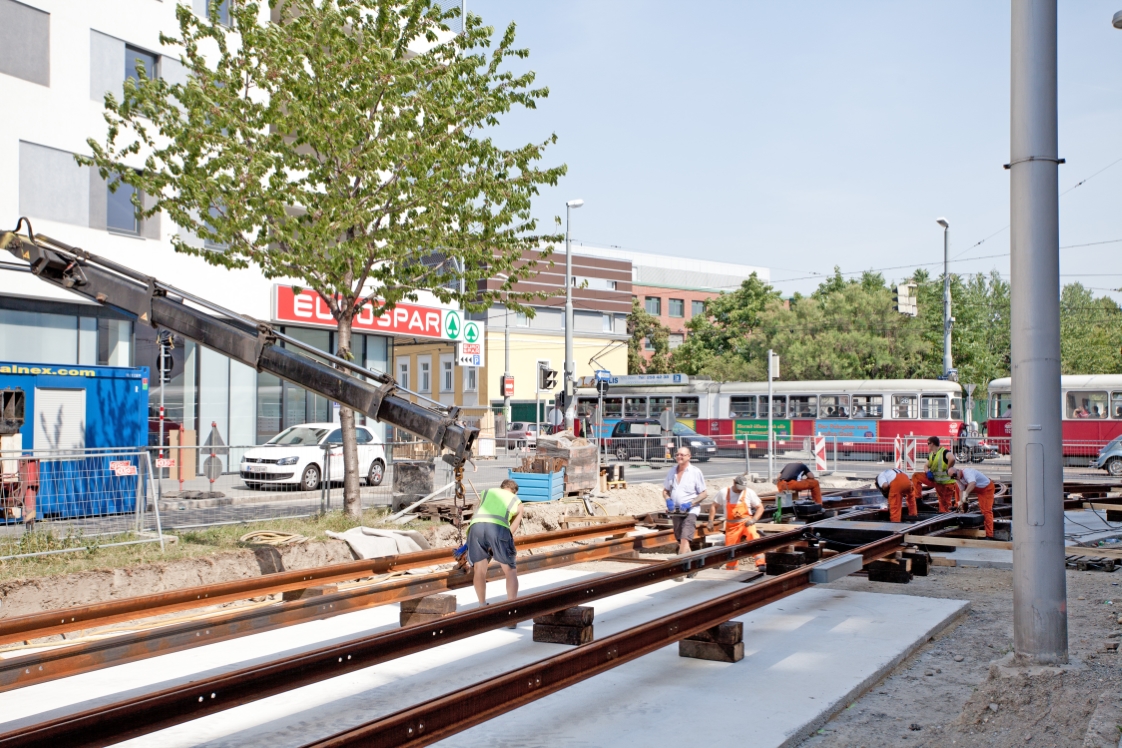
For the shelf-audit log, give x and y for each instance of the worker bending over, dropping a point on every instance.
(896, 487)
(491, 535)
(743, 510)
(972, 481)
(797, 477)
(939, 461)
(684, 489)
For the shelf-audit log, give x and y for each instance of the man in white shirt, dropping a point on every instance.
(684, 489)
(972, 481)
(897, 487)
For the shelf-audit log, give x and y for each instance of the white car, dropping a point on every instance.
(295, 457)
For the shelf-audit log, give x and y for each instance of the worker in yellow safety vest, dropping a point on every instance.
(491, 535)
(939, 461)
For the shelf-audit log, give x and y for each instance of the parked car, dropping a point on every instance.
(1110, 457)
(643, 438)
(521, 434)
(295, 457)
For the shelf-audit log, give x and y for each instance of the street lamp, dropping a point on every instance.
(1117, 20)
(947, 365)
(570, 368)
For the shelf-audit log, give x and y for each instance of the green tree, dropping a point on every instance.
(718, 341)
(1090, 332)
(643, 326)
(341, 144)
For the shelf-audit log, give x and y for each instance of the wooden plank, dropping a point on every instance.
(573, 635)
(711, 651)
(573, 519)
(965, 533)
(941, 561)
(580, 615)
(776, 527)
(1094, 552)
(1101, 507)
(945, 540)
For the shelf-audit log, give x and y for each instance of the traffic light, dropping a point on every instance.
(166, 343)
(547, 379)
(561, 401)
(904, 300)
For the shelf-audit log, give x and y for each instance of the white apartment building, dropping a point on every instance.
(58, 58)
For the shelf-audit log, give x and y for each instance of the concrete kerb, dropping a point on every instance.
(859, 690)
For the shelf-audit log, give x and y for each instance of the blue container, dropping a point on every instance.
(115, 417)
(539, 486)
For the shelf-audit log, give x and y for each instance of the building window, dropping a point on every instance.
(606, 322)
(471, 379)
(676, 339)
(120, 213)
(425, 385)
(653, 305)
(403, 374)
(648, 345)
(697, 308)
(135, 59)
(521, 320)
(25, 42)
(446, 382)
(677, 308)
(221, 13)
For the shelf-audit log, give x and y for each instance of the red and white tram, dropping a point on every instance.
(1091, 405)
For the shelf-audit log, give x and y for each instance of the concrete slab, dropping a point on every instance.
(979, 558)
(807, 657)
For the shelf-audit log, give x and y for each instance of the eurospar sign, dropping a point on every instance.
(412, 320)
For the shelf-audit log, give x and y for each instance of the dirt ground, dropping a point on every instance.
(950, 692)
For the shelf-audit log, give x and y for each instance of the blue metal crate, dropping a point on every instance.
(539, 486)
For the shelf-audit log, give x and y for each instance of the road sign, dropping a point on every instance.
(212, 468)
(472, 332)
(470, 354)
(603, 375)
(666, 420)
(126, 469)
(555, 417)
(165, 462)
(508, 386)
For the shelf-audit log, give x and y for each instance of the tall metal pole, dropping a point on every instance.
(569, 368)
(947, 322)
(1039, 586)
(506, 367)
(770, 451)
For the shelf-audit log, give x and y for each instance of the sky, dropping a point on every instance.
(805, 135)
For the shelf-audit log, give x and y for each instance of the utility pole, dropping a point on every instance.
(570, 367)
(506, 366)
(771, 367)
(1039, 585)
(948, 321)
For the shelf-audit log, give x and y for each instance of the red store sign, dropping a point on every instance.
(415, 320)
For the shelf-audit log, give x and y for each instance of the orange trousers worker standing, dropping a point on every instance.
(946, 492)
(743, 509)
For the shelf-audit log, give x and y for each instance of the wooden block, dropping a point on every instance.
(940, 561)
(1114, 515)
(438, 604)
(711, 651)
(894, 572)
(791, 559)
(580, 615)
(777, 569)
(411, 619)
(323, 589)
(729, 632)
(1093, 552)
(943, 540)
(920, 561)
(573, 635)
(811, 553)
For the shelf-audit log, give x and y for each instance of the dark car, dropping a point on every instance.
(644, 438)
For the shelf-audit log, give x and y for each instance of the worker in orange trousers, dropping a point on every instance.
(743, 509)
(939, 460)
(896, 487)
(974, 482)
(797, 477)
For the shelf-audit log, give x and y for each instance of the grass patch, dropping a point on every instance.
(191, 543)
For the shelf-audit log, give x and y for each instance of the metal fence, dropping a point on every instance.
(65, 501)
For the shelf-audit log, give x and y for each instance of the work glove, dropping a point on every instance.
(685, 506)
(670, 505)
(930, 475)
(460, 554)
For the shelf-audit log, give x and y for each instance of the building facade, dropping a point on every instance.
(675, 289)
(58, 58)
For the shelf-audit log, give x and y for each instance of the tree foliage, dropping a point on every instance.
(344, 144)
(1090, 332)
(642, 326)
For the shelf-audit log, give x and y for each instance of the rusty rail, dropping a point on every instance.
(444, 716)
(38, 625)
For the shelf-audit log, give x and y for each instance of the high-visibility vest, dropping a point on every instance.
(497, 506)
(937, 464)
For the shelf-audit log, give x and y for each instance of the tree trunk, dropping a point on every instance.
(352, 503)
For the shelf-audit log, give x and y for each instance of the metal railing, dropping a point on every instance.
(61, 501)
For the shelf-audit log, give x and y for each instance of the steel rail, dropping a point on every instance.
(61, 662)
(141, 715)
(444, 716)
(23, 628)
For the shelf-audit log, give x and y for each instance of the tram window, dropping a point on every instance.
(744, 406)
(868, 406)
(956, 409)
(613, 407)
(1116, 404)
(804, 406)
(778, 407)
(635, 407)
(1083, 404)
(1001, 405)
(834, 406)
(933, 407)
(685, 407)
(585, 406)
(659, 404)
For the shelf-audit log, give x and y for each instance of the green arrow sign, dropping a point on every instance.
(471, 332)
(452, 325)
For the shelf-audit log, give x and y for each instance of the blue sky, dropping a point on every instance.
(806, 135)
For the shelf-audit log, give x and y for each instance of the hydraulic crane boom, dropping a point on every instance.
(238, 337)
